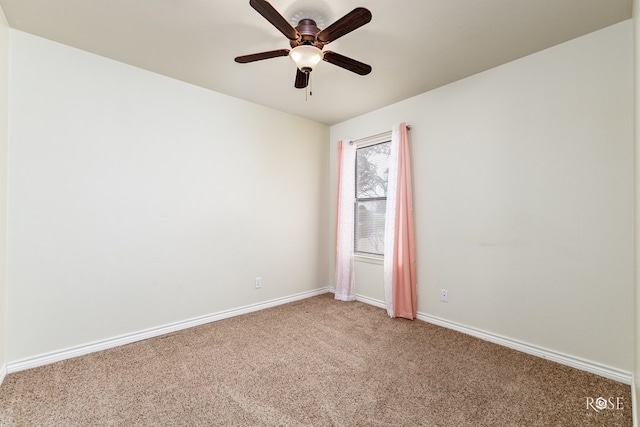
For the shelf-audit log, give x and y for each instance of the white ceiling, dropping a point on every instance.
(413, 45)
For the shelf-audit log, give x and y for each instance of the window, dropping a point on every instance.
(372, 170)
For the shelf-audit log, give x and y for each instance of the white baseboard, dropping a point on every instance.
(56, 356)
(371, 301)
(3, 373)
(575, 362)
(365, 299)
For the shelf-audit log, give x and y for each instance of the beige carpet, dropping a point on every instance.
(316, 362)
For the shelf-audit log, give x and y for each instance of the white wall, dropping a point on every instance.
(137, 201)
(4, 135)
(523, 197)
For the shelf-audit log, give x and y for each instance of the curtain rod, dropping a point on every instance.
(374, 136)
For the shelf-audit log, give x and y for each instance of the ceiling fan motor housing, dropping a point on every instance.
(307, 29)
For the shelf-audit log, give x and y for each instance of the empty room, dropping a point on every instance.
(319, 213)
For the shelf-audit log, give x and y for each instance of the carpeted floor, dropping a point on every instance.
(316, 362)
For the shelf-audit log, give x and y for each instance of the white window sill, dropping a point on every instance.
(370, 259)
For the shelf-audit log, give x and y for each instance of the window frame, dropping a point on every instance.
(381, 138)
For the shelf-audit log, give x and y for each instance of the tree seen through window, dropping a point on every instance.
(372, 170)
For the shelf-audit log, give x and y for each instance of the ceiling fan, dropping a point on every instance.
(307, 41)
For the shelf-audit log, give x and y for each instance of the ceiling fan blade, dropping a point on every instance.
(302, 79)
(347, 63)
(262, 55)
(349, 22)
(265, 9)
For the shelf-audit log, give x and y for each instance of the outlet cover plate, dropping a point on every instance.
(444, 295)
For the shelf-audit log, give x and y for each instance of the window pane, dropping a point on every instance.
(372, 169)
(369, 233)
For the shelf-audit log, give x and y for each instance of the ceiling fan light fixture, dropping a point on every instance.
(306, 57)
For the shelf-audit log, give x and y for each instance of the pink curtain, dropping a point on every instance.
(400, 257)
(345, 281)
(338, 172)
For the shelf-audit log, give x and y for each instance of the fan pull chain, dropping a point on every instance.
(308, 90)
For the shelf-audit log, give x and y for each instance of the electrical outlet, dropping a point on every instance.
(444, 295)
(258, 282)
